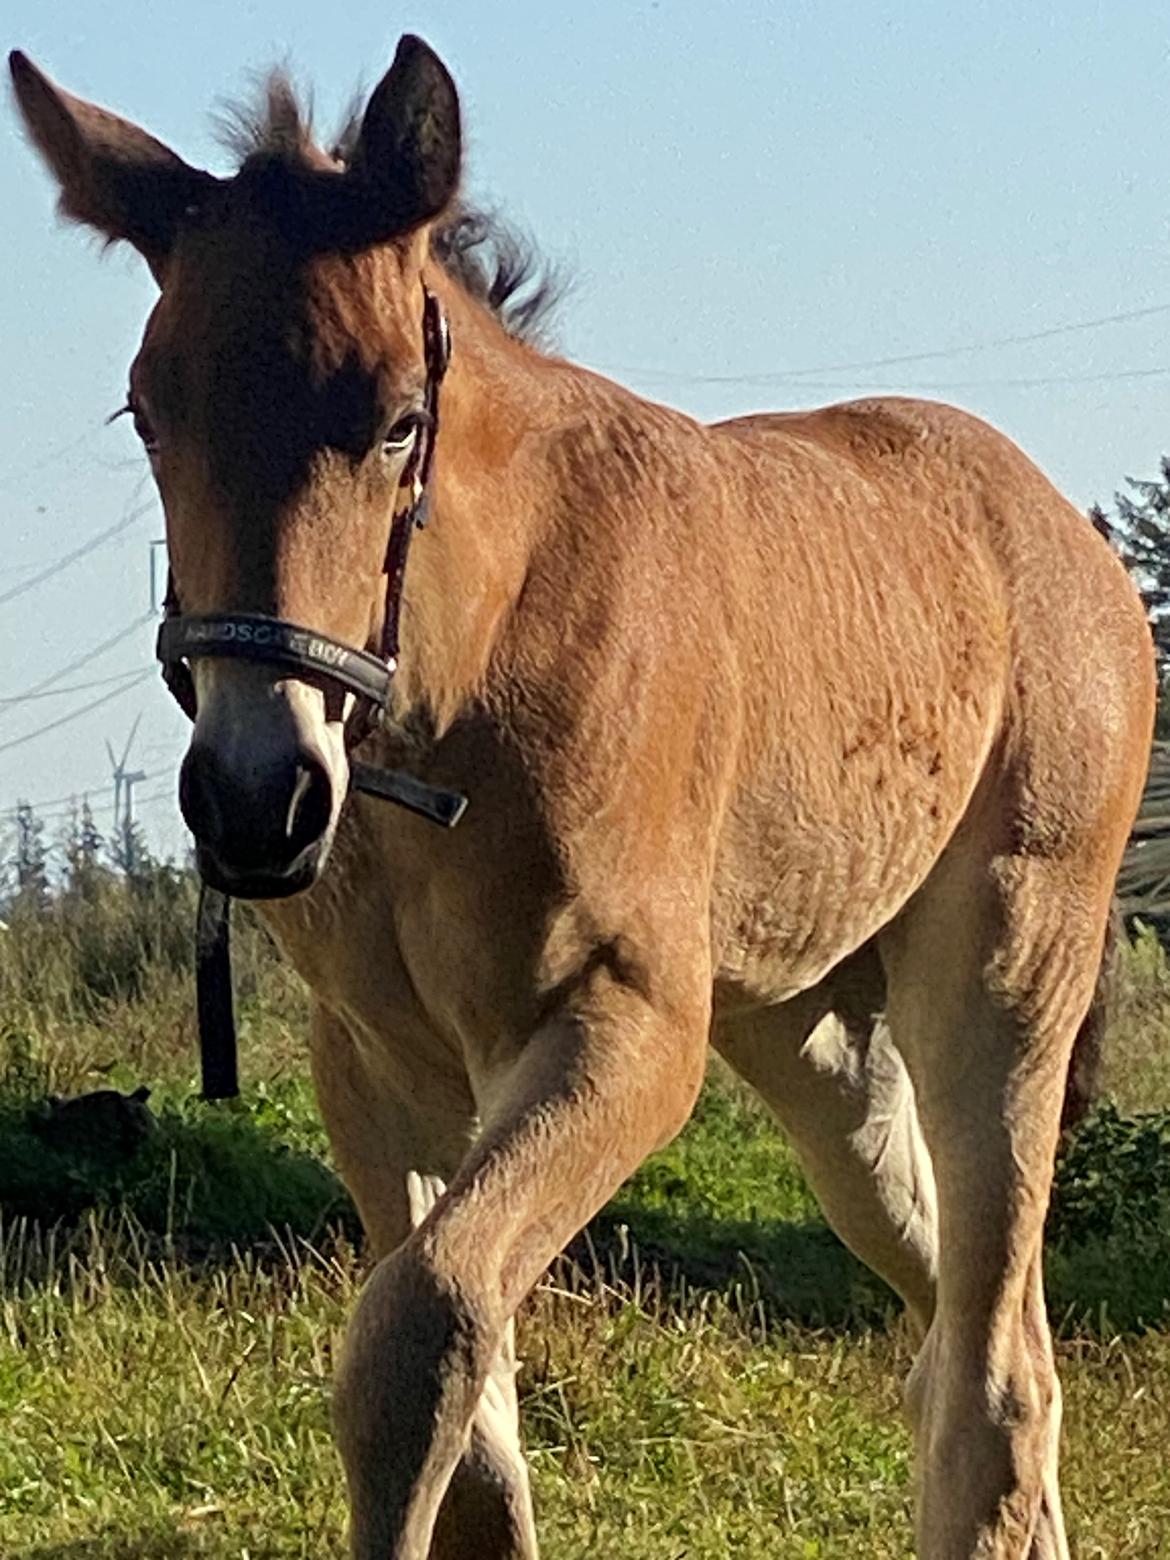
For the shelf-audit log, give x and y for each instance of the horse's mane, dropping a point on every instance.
(488, 256)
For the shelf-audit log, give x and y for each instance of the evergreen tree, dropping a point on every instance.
(1139, 529)
(30, 862)
(130, 852)
(131, 855)
(83, 854)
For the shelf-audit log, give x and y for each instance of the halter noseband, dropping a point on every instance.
(251, 636)
(254, 636)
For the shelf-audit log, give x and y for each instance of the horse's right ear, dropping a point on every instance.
(113, 176)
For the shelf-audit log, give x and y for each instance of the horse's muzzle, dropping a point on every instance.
(263, 832)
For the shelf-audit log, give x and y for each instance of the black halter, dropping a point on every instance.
(253, 636)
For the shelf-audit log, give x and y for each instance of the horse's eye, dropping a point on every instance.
(144, 429)
(400, 438)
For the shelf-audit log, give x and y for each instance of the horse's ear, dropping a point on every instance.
(406, 159)
(113, 176)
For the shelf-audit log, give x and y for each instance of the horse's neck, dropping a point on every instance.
(538, 469)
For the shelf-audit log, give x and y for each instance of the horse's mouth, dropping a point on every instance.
(253, 883)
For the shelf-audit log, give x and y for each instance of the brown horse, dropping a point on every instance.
(766, 726)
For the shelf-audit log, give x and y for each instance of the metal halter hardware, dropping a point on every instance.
(253, 636)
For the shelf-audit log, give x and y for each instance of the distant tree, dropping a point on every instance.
(130, 852)
(30, 864)
(1139, 529)
(84, 846)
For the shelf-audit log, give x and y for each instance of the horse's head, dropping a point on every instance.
(279, 392)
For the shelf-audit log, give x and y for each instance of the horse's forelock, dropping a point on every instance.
(274, 121)
(271, 133)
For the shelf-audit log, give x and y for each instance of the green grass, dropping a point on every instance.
(160, 1410)
(711, 1375)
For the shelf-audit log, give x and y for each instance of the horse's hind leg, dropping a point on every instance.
(990, 971)
(839, 1088)
(391, 1157)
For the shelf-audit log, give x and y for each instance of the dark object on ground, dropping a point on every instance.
(104, 1125)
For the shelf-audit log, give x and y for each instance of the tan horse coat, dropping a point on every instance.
(766, 725)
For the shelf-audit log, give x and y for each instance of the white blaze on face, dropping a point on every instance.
(258, 726)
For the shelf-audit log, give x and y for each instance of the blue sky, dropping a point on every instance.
(739, 192)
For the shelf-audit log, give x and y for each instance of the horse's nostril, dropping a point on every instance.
(198, 799)
(311, 805)
(255, 823)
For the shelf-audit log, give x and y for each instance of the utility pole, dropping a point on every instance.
(158, 548)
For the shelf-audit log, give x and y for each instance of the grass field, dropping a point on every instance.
(708, 1375)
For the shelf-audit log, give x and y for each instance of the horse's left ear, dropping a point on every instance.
(113, 176)
(405, 163)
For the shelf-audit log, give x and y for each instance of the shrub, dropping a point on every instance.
(209, 1176)
(1109, 1224)
(1113, 1178)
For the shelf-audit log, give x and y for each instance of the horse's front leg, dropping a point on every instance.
(392, 1144)
(610, 1075)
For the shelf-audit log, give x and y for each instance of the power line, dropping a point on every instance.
(49, 457)
(866, 386)
(1046, 381)
(167, 794)
(61, 806)
(1072, 328)
(63, 720)
(68, 558)
(899, 359)
(81, 687)
(83, 659)
(17, 568)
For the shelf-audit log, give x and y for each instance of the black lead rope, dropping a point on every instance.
(184, 638)
(213, 995)
(213, 950)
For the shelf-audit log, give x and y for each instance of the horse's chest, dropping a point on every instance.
(415, 931)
